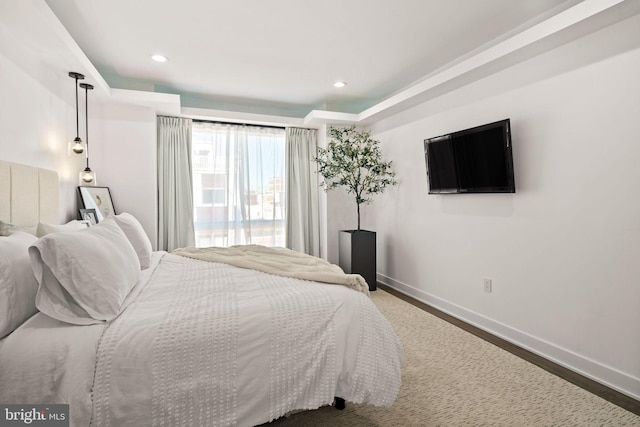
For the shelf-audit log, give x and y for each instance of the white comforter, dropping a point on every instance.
(208, 344)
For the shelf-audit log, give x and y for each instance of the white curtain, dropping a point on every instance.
(303, 227)
(175, 189)
(239, 188)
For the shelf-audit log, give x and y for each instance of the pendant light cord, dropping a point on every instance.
(87, 87)
(77, 114)
(86, 115)
(77, 76)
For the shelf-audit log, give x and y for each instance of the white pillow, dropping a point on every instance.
(18, 286)
(74, 225)
(136, 235)
(84, 275)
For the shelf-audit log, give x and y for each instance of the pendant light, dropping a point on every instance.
(87, 176)
(77, 142)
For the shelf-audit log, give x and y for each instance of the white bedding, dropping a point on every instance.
(201, 343)
(49, 361)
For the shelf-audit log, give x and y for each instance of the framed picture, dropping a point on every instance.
(89, 215)
(98, 198)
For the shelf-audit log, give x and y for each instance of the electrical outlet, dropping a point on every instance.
(487, 285)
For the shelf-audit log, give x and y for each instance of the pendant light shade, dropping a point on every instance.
(77, 146)
(87, 176)
(77, 142)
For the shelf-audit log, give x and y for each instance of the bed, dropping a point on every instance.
(93, 318)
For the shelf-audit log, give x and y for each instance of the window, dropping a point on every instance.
(239, 184)
(213, 188)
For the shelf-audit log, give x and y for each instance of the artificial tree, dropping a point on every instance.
(353, 160)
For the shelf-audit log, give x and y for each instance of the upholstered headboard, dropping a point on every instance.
(28, 195)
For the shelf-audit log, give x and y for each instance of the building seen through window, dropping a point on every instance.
(238, 184)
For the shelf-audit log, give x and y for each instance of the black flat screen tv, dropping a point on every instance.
(476, 160)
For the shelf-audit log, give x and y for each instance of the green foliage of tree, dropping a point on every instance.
(353, 160)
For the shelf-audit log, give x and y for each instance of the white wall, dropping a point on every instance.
(564, 251)
(123, 155)
(37, 119)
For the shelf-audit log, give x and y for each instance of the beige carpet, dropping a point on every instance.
(453, 378)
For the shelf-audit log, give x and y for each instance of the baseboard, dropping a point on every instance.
(615, 380)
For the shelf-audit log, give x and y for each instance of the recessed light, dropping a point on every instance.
(340, 84)
(159, 58)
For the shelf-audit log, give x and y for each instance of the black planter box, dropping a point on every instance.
(357, 254)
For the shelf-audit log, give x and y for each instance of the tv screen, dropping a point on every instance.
(476, 160)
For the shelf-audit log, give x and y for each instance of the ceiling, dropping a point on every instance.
(275, 61)
(283, 56)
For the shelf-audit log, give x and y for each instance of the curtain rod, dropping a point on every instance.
(237, 124)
